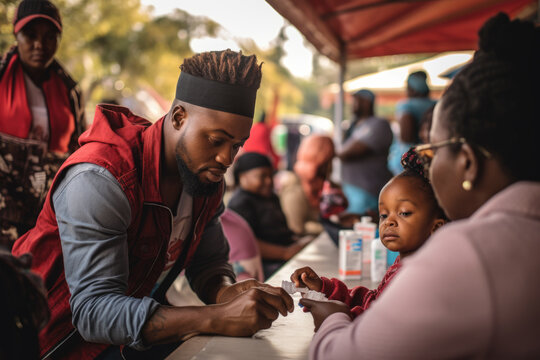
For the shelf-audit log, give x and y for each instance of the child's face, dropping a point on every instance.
(407, 216)
(258, 181)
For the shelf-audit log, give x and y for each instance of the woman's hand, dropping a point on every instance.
(306, 277)
(323, 309)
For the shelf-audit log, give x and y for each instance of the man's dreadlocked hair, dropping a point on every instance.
(493, 101)
(413, 168)
(226, 66)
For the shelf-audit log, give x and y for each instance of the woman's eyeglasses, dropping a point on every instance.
(427, 151)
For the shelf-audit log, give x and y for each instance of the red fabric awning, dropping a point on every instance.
(366, 28)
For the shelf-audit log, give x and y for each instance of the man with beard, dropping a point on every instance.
(137, 204)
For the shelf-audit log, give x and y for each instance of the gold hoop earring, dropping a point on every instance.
(466, 185)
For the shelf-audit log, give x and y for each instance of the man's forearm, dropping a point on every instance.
(172, 324)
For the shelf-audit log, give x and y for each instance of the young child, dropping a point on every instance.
(409, 214)
(255, 200)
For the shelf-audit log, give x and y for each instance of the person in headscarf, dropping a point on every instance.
(301, 192)
(409, 114)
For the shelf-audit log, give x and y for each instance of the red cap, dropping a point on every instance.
(29, 10)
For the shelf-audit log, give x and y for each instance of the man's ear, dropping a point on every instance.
(468, 164)
(179, 115)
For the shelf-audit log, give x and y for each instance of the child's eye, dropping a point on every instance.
(405, 213)
(383, 216)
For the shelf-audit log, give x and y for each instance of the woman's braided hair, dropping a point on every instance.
(225, 66)
(414, 168)
(493, 101)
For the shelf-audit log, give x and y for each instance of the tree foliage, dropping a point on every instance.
(115, 47)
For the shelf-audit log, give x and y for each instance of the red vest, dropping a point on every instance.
(129, 148)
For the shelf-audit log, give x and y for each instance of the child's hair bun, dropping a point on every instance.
(509, 40)
(411, 161)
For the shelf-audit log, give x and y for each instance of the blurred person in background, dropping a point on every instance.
(409, 113)
(425, 126)
(260, 140)
(310, 201)
(364, 155)
(244, 254)
(41, 116)
(254, 199)
(300, 191)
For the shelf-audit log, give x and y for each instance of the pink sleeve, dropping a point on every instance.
(241, 238)
(439, 303)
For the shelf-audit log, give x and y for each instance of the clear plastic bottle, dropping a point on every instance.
(378, 260)
(366, 229)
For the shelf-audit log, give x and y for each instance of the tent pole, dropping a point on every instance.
(338, 114)
(340, 100)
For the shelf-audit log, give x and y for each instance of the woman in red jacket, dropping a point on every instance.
(41, 116)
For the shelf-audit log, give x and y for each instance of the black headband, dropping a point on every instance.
(216, 95)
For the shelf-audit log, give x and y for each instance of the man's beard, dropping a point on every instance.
(192, 185)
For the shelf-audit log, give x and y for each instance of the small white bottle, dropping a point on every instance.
(350, 255)
(366, 229)
(378, 260)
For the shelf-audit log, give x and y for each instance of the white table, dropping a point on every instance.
(290, 336)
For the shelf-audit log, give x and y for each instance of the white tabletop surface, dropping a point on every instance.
(290, 336)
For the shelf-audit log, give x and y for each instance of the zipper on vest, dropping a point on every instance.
(153, 263)
(161, 249)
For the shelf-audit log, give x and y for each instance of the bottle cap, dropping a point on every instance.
(365, 219)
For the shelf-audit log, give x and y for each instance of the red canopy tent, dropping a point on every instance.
(352, 29)
(364, 28)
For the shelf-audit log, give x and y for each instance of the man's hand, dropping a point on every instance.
(229, 292)
(322, 309)
(306, 277)
(243, 309)
(249, 311)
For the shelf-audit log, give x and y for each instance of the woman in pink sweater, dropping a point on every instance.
(469, 292)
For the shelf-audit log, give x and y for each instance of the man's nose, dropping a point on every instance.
(225, 156)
